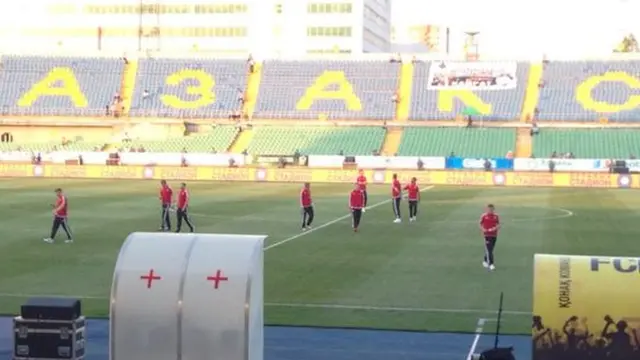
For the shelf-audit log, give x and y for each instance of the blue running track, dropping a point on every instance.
(295, 343)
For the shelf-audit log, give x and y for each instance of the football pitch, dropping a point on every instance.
(426, 275)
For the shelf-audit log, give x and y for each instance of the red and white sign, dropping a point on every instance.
(477, 75)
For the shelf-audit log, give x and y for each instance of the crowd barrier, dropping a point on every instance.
(332, 161)
(130, 158)
(432, 177)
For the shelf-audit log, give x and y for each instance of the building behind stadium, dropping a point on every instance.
(269, 27)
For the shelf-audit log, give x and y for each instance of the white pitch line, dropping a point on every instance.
(398, 309)
(476, 338)
(318, 306)
(337, 220)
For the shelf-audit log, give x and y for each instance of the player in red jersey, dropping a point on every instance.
(166, 199)
(362, 185)
(413, 194)
(396, 197)
(181, 211)
(306, 203)
(60, 213)
(489, 225)
(356, 204)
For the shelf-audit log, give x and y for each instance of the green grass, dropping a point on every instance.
(420, 276)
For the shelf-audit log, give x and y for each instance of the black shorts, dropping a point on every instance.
(491, 239)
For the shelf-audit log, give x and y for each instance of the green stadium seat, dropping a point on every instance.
(219, 140)
(316, 140)
(473, 142)
(588, 143)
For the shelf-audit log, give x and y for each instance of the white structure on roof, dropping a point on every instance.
(519, 29)
(277, 27)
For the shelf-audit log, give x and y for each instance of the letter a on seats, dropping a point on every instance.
(468, 98)
(319, 90)
(59, 81)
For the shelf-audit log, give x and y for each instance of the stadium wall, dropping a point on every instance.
(46, 133)
(435, 177)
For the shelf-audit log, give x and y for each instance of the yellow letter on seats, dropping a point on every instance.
(585, 89)
(446, 100)
(319, 91)
(203, 90)
(60, 81)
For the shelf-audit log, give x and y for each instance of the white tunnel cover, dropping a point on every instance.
(188, 297)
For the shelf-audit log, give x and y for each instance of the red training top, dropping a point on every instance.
(362, 182)
(166, 195)
(489, 223)
(305, 197)
(414, 192)
(396, 189)
(61, 206)
(356, 200)
(183, 199)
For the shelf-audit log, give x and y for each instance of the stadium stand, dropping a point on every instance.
(588, 143)
(218, 140)
(31, 85)
(196, 88)
(487, 142)
(327, 89)
(316, 140)
(499, 104)
(589, 91)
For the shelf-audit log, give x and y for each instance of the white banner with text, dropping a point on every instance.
(130, 158)
(597, 165)
(378, 162)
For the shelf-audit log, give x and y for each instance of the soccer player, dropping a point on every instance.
(307, 206)
(181, 211)
(356, 204)
(166, 199)
(396, 195)
(489, 225)
(362, 185)
(413, 194)
(60, 218)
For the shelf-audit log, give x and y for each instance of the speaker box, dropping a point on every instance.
(498, 354)
(51, 309)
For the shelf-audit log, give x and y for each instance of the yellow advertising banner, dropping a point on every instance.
(16, 170)
(432, 177)
(586, 307)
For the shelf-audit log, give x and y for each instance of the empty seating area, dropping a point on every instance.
(269, 140)
(31, 85)
(472, 143)
(588, 143)
(590, 90)
(502, 103)
(334, 90)
(188, 88)
(218, 140)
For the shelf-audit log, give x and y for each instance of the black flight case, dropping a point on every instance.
(49, 329)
